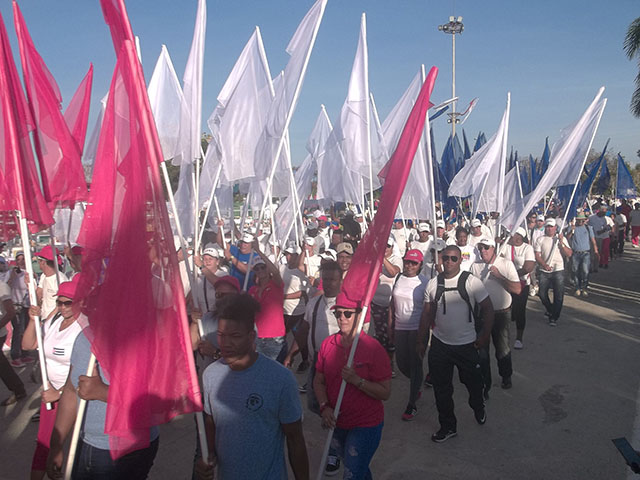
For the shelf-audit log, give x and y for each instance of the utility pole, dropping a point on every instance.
(455, 26)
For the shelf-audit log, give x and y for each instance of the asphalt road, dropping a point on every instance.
(575, 387)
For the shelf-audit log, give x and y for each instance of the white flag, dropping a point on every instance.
(566, 162)
(284, 103)
(167, 104)
(482, 176)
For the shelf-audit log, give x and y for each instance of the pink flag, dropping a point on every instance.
(77, 113)
(115, 14)
(63, 180)
(362, 278)
(19, 188)
(130, 284)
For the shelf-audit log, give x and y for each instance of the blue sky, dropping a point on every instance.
(552, 55)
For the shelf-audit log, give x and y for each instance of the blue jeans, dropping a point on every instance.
(554, 281)
(275, 348)
(96, 464)
(580, 268)
(356, 447)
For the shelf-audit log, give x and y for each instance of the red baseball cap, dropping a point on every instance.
(47, 254)
(414, 255)
(68, 289)
(229, 280)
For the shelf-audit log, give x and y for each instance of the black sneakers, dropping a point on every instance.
(506, 383)
(481, 415)
(409, 413)
(332, 467)
(443, 435)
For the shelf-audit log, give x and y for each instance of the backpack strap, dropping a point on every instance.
(462, 290)
(314, 316)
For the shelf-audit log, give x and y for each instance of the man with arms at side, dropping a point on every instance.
(251, 405)
(454, 341)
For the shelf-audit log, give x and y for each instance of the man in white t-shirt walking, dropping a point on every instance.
(500, 278)
(454, 341)
(549, 251)
(48, 284)
(424, 240)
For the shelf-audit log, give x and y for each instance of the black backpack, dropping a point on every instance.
(462, 291)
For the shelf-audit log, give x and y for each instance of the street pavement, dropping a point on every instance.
(575, 387)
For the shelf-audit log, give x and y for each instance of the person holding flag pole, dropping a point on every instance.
(359, 287)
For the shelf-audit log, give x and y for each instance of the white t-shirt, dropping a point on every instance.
(544, 246)
(620, 221)
(454, 327)
(18, 289)
(500, 297)
(535, 234)
(408, 300)
(429, 270)
(326, 323)
(519, 255)
(400, 236)
(57, 349)
(473, 240)
(313, 265)
(470, 255)
(382, 297)
(294, 281)
(424, 247)
(49, 287)
(5, 294)
(206, 292)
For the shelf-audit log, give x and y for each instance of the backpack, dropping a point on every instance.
(462, 291)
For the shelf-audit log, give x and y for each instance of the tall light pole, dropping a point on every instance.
(454, 26)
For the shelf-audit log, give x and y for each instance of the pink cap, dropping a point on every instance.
(229, 280)
(345, 302)
(77, 250)
(47, 254)
(68, 289)
(414, 255)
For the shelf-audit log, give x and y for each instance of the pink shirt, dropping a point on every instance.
(270, 318)
(370, 362)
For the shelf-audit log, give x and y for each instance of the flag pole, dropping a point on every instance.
(343, 386)
(77, 425)
(430, 178)
(209, 200)
(24, 233)
(367, 114)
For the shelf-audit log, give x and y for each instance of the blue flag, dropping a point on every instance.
(626, 187)
(467, 151)
(481, 140)
(533, 171)
(544, 161)
(604, 181)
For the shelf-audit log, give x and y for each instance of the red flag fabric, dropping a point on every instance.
(130, 284)
(77, 113)
(19, 186)
(362, 278)
(63, 180)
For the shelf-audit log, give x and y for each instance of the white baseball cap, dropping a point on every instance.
(550, 222)
(476, 222)
(247, 238)
(440, 224)
(424, 227)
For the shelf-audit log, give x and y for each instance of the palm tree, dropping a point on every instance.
(632, 49)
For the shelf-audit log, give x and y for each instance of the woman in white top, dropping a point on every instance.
(523, 257)
(60, 331)
(405, 311)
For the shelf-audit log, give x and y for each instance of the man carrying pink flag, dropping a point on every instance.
(138, 327)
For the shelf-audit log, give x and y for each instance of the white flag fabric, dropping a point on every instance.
(285, 214)
(192, 88)
(238, 120)
(284, 103)
(63, 231)
(482, 176)
(167, 104)
(566, 162)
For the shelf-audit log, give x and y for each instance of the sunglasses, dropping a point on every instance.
(347, 313)
(222, 294)
(68, 303)
(481, 246)
(452, 258)
(260, 266)
(410, 262)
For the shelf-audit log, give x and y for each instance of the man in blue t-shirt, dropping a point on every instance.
(239, 257)
(251, 405)
(582, 240)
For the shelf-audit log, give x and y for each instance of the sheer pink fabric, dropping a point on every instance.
(130, 282)
(362, 278)
(77, 113)
(19, 187)
(63, 181)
